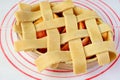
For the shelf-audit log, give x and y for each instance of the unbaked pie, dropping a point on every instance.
(63, 33)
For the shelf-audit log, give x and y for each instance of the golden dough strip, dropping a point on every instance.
(83, 17)
(65, 5)
(24, 7)
(95, 36)
(17, 28)
(103, 58)
(93, 30)
(58, 22)
(78, 11)
(103, 27)
(50, 58)
(17, 25)
(52, 40)
(28, 7)
(64, 37)
(23, 16)
(99, 47)
(28, 30)
(110, 37)
(35, 7)
(30, 44)
(76, 48)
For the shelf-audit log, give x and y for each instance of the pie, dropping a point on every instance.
(62, 33)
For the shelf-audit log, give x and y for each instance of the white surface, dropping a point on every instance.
(8, 72)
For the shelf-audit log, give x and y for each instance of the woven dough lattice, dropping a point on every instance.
(72, 35)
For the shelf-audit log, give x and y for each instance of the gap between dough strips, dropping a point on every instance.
(63, 33)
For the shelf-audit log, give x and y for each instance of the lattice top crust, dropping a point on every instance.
(65, 33)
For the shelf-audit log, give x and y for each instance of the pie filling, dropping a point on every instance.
(63, 33)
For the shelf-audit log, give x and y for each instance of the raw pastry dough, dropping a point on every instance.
(44, 17)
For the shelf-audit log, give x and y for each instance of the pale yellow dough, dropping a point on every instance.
(104, 51)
